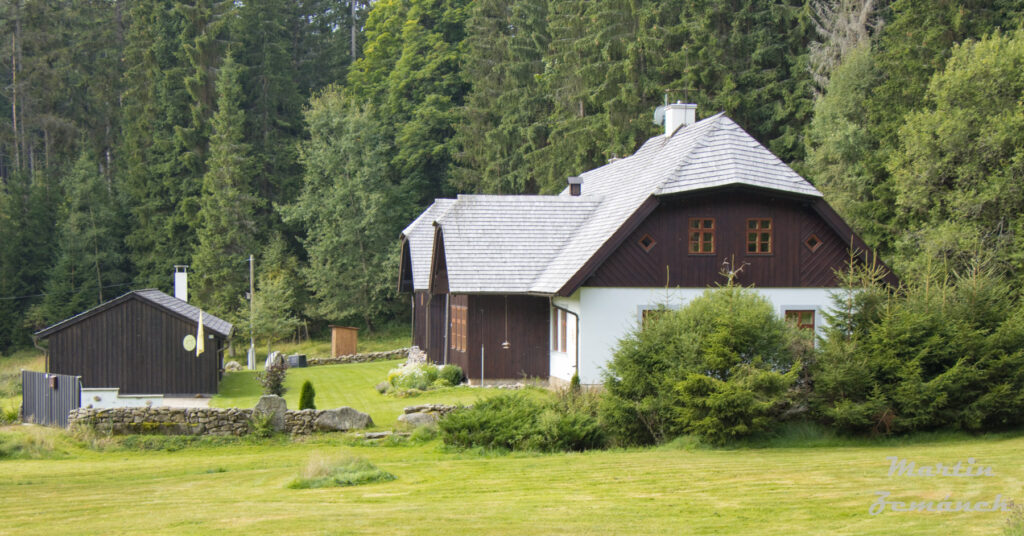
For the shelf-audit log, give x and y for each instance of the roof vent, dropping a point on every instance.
(575, 186)
(679, 115)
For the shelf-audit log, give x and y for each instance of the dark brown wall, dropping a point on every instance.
(419, 318)
(138, 348)
(528, 355)
(436, 324)
(791, 264)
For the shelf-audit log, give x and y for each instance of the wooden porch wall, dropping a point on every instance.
(419, 318)
(528, 326)
(436, 320)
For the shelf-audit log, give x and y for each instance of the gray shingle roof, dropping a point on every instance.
(420, 236)
(155, 297)
(500, 243)
(513, 244)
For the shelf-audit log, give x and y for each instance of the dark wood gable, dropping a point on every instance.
(805, 251)
(405, 282)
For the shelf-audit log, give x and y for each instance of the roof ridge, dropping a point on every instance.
(701, 141)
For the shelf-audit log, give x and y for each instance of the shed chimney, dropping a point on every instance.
(677, 115)
(575, 186)
(181, 282)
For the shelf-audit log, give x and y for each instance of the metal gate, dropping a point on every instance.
(47, 398)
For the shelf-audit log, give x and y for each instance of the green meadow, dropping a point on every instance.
(56, 483)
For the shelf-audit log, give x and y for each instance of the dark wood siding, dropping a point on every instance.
(791, 263)
(420, 324)
(136, 347)
(436, 324)
(527, 326)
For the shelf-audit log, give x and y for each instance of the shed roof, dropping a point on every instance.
(514, 244)
(170, 304)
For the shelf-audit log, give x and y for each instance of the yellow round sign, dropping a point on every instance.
(189, 342)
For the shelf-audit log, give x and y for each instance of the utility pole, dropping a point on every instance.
(252, 338)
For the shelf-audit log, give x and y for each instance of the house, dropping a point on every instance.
(143, 342)
(545, 286)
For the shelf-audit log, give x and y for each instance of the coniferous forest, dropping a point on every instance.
(143, 134)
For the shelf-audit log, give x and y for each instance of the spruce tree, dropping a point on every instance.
(228, 229)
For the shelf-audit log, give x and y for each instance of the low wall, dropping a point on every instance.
(183, 421)
(401, 353)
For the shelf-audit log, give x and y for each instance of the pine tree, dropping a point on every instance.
(228, 229)
(307, 398)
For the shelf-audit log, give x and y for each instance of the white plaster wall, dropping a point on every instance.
(104, 397)
(608, 314)
(563, 364)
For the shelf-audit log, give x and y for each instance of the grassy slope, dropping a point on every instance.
(10, 374)
(240, 489)
(342, 385)
(388, 337)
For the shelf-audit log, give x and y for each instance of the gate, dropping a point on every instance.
(47, 398)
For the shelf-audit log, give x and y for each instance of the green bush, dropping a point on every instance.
(419, 376)
(262, 425)
(451, 375)
(722, 367)
(272, 379)
(517, 421)
(947, 351)
(307, 396)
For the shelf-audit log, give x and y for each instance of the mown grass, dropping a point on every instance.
(384, 338)
(240, 487)
(345, 385)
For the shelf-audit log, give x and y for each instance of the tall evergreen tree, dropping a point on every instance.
(90, 263)
(228, 230)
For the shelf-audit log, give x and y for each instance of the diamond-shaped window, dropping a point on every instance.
(647, 242)
(813, 243)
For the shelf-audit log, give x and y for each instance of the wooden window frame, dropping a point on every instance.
(563, 320)
(759, 231)
(554, 329)
(696, 235)
(816, 246)
(651, 242)
(459, 338)
(797, 316)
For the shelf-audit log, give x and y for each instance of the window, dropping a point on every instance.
(458, 336)
(803, 319)
(702, 236)
(813, 243)
(648, 315)
(759, 236)
(647, 242)
(559, 330)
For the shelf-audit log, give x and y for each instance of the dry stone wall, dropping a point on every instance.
(202, 421)
(401, 353)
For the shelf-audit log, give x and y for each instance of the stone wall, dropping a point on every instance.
(183, 421)
(401, 353)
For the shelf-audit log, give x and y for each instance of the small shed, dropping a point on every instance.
(143, 342)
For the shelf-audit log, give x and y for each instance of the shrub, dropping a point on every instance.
(721, 368)
(10, 414)
(272, 379)
(945, 352)
(517, 421)
(324, 472)
(307, 396)
(451, 375)
(262, 425)
(413, 376)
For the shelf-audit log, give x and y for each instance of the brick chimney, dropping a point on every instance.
(575, 186)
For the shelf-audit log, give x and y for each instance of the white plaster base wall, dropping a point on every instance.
(110, 397)
(606, 315)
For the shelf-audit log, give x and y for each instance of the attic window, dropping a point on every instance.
(759, 236)
(647, 242)
(702, 236)
(813, 243)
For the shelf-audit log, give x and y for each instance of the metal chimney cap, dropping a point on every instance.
(575, 179)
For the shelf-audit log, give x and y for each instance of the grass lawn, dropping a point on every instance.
(240, 488)
(388, 337)
(342, 385)
(10, 374)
